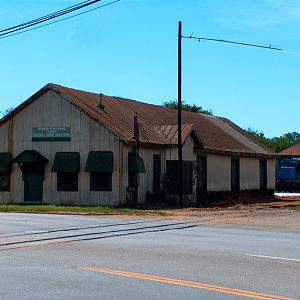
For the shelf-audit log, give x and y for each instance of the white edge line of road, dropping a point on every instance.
(274, 257)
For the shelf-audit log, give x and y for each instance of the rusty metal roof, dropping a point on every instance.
(292, 151)
(158, 124)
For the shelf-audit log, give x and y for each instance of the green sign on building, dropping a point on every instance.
(47, 134)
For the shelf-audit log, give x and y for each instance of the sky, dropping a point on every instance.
(129, 49)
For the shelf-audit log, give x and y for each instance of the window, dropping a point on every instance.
(100, 181)
(172, 177)
(100, 164)
(4, 182)
(156, 172)
(67, 182)
(67, 166)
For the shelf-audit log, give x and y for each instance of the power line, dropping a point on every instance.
(230, 42)
(43, 18)
(48, 17)
(21, 28)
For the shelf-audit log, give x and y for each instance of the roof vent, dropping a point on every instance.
(100, 104)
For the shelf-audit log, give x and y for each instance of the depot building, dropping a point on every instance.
(67, 146)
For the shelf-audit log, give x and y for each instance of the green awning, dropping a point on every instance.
(99, 161)
(135, 164)
(5, 163)
(30, 156)
(66, 162)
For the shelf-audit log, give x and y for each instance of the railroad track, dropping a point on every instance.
(78, 234)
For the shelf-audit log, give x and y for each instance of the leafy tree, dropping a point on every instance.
(187, 107)
(277, 144)
(258, 134)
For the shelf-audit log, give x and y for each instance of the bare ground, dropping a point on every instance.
(281, 213)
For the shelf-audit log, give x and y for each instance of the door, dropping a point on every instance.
(33, 186)
(263, 175)
(235, 175)
(201, 176)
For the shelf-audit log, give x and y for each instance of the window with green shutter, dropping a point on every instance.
(100, 166)
(67, 166)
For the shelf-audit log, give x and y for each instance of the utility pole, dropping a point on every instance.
(136, 150)
(180, 178)
(180, 37)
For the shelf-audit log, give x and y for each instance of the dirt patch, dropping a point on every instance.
(276, 214)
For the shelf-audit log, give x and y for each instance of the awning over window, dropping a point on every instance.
(5, 163)
(135, 164)
(66, 162)
(99, 161)
(30, 156)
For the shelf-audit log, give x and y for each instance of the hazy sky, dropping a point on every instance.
(129, 49)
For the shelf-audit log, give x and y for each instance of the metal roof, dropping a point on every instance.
(292, 151)
(158, 124)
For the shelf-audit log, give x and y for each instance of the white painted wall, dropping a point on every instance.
(271, 169)
(86, 135)
(249, 173)
(218, 173)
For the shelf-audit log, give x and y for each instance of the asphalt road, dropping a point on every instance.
(81, 257)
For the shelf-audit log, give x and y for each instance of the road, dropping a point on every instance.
(85, 257)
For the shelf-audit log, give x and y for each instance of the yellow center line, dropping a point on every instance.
(220, 289)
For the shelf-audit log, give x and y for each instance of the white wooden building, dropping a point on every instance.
(66, 146)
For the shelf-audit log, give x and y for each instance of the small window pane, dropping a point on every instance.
(101, 181)
(67, 182)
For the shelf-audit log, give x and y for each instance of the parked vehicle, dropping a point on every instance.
(288, 176)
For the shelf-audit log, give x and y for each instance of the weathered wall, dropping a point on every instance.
(86, 135)
(145, 179)
(249, 173)
(218, 173)
(271, 169)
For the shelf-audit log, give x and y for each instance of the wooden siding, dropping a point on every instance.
(249, 174)
(271, 170)
(86, 135)
(145, 179)
(218, 173)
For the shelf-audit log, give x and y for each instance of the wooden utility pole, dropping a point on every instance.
(180, 179)
(136, 150)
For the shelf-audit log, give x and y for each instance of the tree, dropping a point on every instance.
(258, 134)
(187, 107)
(277, 144)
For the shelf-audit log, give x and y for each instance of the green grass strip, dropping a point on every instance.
(77, 209)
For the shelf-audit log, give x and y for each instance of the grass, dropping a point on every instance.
(297, 208)
(101, 210)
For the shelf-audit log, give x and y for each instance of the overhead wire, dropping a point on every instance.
(43, 17)
(49, 17)
(21, 28)
(231, 42)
